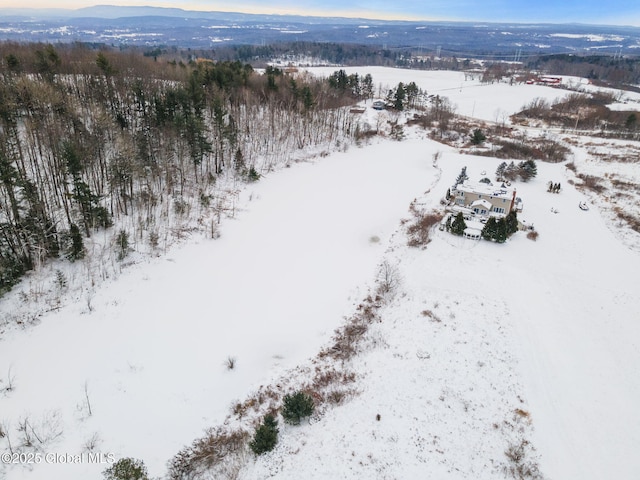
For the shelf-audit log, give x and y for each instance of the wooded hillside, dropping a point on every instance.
(93, 140)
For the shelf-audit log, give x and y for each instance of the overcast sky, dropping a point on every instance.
(619, 12)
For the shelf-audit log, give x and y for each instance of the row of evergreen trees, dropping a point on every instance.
(496, 229)
(525, 170)
(499, 229)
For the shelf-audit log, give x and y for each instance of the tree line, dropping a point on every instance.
(616, 70)
(88, 137)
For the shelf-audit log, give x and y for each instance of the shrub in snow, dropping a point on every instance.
(388, 279)
(519, 464)
(127, 469)
(253, 175)
(266, 436)
(296, 407)
(230, 363)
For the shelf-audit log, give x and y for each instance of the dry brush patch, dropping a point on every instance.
(222, 449)
(328, 380)
(542, 149)
(420, 226)
(347, 339)
(590, 182)
(519, 464)
(622, 184)
(632, 220)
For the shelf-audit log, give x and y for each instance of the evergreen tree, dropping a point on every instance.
(500, 170)
(238, 161)
(307, 98)
(511, 172)
(266, 436)
(297, 406)
(11, 269)
(501, 231)
(527, 170)
(75, 244)
(399, 97)
(458, 225)
(104, 65)
(478, 137)
(490, 228)
(462, 176)
(122, 244)
(339, 80)
(93, 214)
(47, 62)
(511, 222)
(13, 62)
(367, 86)
(253, 175)
(631, 121)
(413, 93)
(127, 469)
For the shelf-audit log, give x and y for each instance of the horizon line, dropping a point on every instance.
(364, 15)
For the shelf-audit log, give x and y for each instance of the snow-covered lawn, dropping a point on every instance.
(482, 345)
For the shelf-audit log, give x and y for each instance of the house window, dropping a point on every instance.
(498, 209)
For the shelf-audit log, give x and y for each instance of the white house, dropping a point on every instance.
(484, 199)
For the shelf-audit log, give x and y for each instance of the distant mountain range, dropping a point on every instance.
(154, 26)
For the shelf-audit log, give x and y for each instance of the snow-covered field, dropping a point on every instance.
(481, 346)
(547, 327)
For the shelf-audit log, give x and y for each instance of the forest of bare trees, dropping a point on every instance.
(100, 139)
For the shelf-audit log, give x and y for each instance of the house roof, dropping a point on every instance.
(482, 203)
(499, 191)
